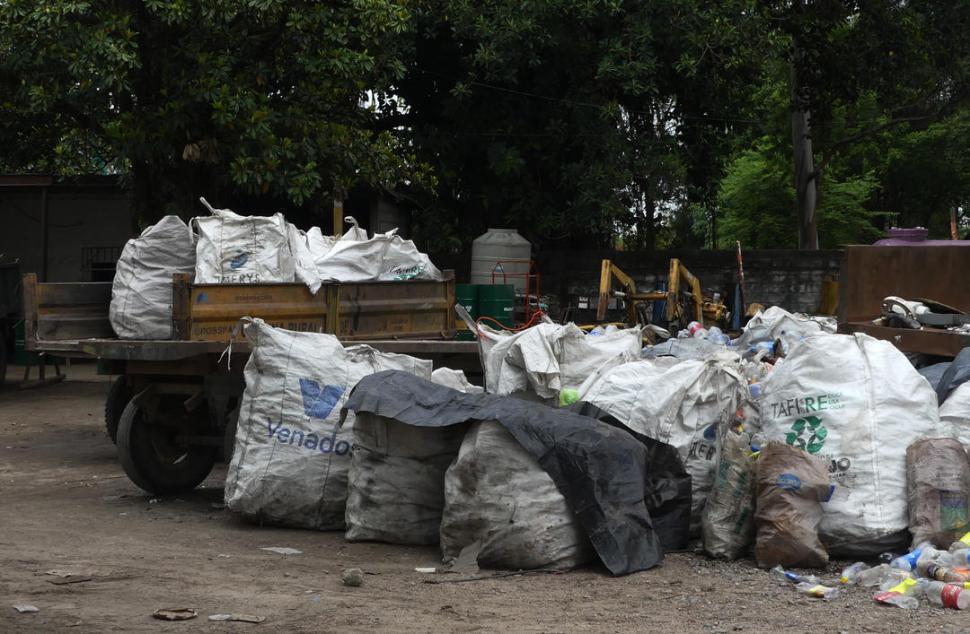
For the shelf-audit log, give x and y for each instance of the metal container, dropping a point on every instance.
(498, 302)
(501, 254)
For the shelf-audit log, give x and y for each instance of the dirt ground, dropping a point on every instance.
(66, 505)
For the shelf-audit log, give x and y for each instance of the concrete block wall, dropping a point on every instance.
(788, 278)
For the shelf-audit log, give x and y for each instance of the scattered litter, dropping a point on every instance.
(818, 591)
(353, 577)
(217, 506)
(241, 618)
(901, 595)
(25, 607)
(154, 501)
(282, 550)
(226, 556)
(175, 614)
(426, 570)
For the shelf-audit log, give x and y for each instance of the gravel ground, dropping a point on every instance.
(66, 505)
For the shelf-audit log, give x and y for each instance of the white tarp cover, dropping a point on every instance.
(679, 404)
(496, 493)
(777, 323)
(234, 249)
(549, 358)
(290, 461)
(857, 402)
(385, 257)
(141, 294)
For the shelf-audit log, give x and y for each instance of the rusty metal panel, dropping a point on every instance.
(871, 273)
(369, 310)
(214, 310)
(941, 342)
(387, 310)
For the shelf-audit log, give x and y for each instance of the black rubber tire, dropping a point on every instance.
(114, 405)
(151, 458)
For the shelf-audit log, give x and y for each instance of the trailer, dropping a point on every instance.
(173, 407)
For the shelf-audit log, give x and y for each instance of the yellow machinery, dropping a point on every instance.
(685, 302)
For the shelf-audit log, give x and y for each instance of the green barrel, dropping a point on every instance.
(497, 301)
(467, 295)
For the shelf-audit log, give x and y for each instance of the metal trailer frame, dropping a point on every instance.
(172, 410)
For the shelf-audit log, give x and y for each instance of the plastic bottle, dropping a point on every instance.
(960, 557)
(781, 574)
(851, 573)
(879, 575)
(931, 561)
(819, 591)
(908, 561)
(949, 595)
(942, 573)
(901, 595)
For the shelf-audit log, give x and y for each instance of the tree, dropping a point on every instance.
(265, 97)
(577, 122)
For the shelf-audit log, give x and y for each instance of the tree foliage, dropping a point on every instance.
(189, 97)
(580, 122)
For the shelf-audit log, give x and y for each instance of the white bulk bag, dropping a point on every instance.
(955, 415)
(548, 358)
(386, 257)
(395, 492)
(857, 402)
(141, 293)
(680, 405)
(456, 380)
(234, 249)
(290, 461)
(496, 493)
(320, 244)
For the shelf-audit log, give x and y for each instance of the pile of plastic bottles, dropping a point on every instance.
(940, 576)
(713, 334)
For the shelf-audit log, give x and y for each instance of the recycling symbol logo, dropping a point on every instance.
(807, 433)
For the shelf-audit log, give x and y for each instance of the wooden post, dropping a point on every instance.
(338, 214)
(43, 234)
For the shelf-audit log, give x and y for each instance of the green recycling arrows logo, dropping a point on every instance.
(812, 427)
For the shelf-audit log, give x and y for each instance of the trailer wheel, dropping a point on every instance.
(150, 452)
(114, 405)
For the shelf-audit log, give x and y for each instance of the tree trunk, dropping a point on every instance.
(805, 191)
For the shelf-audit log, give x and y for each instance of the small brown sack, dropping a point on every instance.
(791, 485)
(938, 487)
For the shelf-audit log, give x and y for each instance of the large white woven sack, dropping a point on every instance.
(234, 249)
(386, 257)
(680, 404)
(290, 461)
(141, 293)
(859, 403)
(548, 358)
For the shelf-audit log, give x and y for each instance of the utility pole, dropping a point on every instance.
(806, 193)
